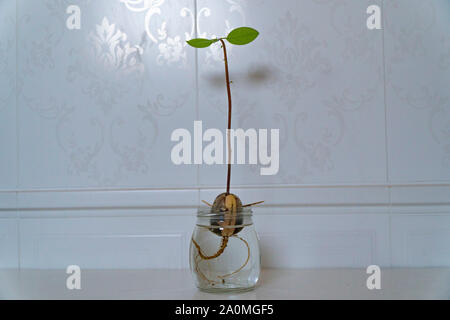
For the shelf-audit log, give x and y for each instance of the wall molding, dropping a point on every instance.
(206, 187)
(383, 198)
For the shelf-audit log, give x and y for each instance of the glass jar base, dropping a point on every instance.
(224, 263)
(219, 290)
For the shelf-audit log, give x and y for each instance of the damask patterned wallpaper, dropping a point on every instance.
(95, 107)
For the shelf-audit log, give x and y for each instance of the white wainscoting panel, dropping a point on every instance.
(106, 242)
(162, 240)
(9, 231)
(308, 226)
(421, 240)
(311, 241)
(9, 248)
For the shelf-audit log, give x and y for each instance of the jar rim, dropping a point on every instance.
(203, 212)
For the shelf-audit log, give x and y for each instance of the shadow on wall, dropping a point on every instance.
(254, 76)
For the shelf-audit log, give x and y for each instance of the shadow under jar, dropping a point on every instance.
(224, 264)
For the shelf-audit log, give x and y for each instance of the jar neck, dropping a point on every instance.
(207, 218)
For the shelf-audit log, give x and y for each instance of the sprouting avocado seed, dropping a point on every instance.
(219, 209)
(219, 203)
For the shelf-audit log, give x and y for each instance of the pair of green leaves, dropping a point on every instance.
(239, 36)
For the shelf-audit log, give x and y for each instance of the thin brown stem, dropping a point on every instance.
(227, 77)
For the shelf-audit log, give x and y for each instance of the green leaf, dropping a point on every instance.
(201, 43)
(243, 35)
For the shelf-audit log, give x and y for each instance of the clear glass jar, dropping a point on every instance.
(224, 264)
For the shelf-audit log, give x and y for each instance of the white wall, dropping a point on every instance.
(364, 116)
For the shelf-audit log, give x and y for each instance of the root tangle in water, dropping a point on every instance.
(228, 207)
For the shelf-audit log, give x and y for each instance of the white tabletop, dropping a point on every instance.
(431, 283)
